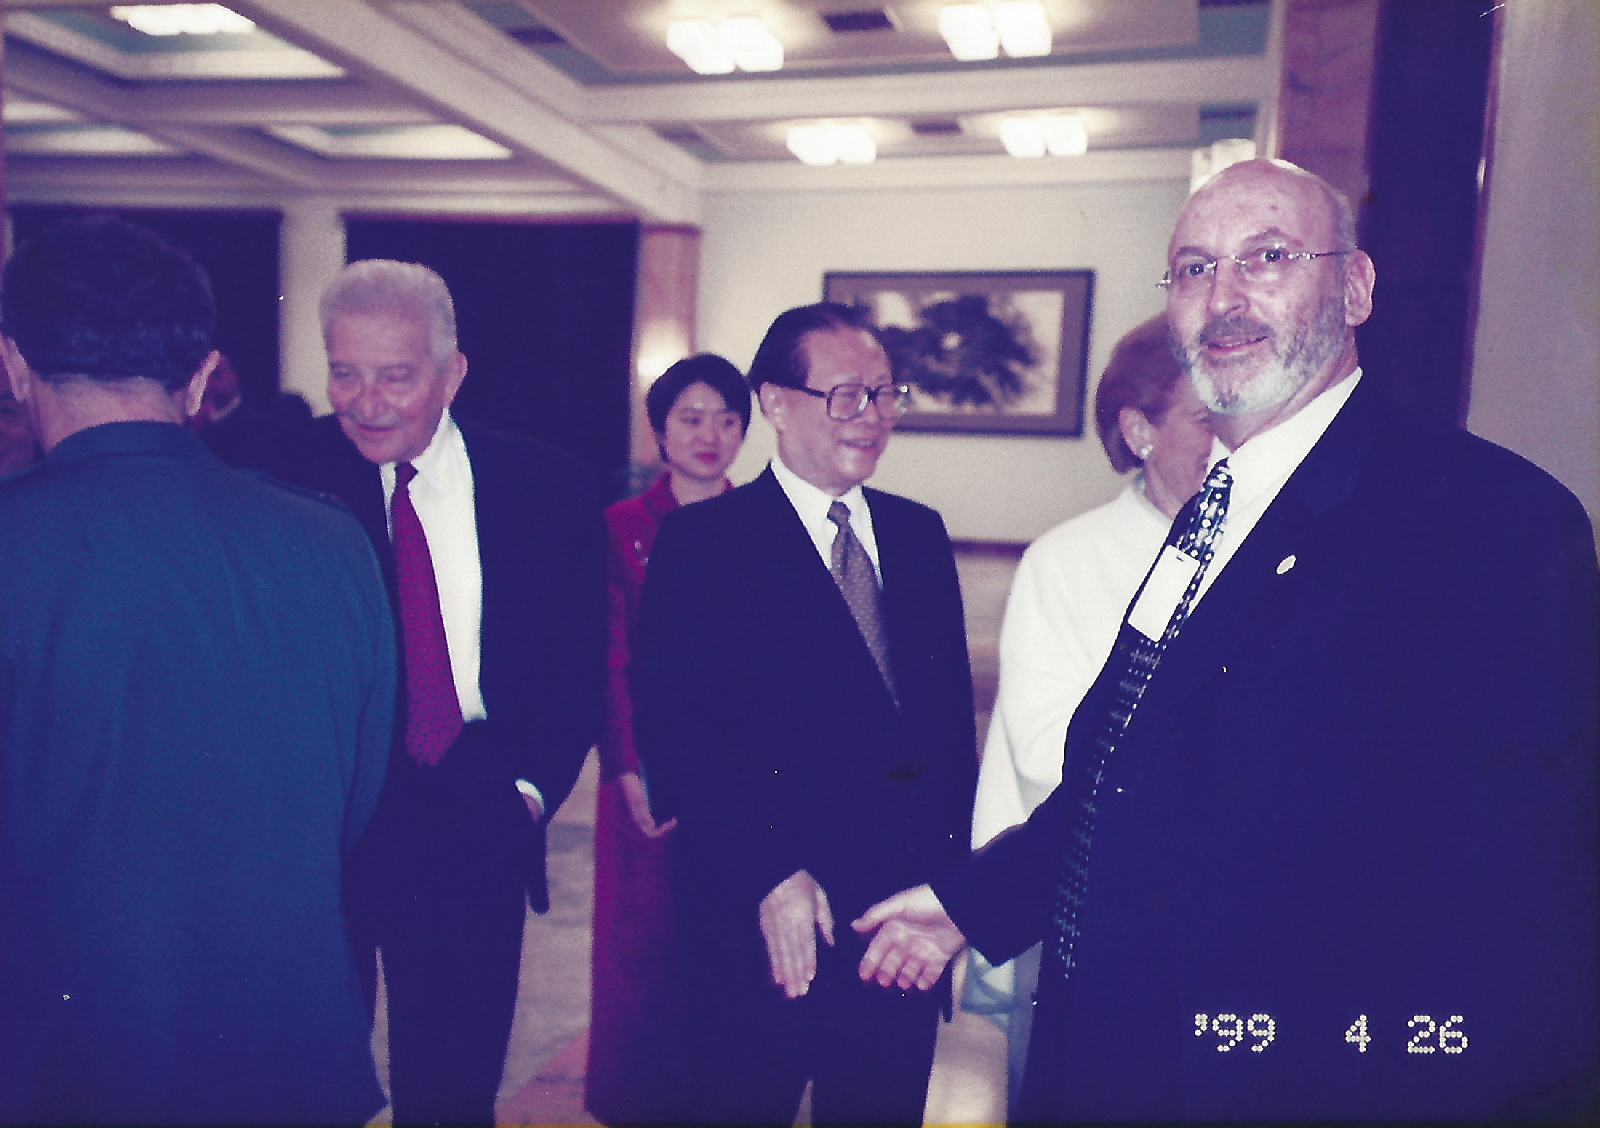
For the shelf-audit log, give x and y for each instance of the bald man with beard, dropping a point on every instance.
(1339, 860)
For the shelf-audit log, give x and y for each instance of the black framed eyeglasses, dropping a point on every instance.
(1261, 267)
(848, 401)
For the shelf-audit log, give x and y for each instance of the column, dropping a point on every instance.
(311, 252)
(663, 319)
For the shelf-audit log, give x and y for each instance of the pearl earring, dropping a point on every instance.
(1143, 452)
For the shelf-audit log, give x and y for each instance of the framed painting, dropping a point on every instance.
(997, 352)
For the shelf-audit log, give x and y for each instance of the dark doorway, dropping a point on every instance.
(544, 315)
(1420, 222)
(239, 250)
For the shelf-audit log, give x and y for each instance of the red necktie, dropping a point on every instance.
(433, 711)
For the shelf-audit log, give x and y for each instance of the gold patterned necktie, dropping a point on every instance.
(853, 572)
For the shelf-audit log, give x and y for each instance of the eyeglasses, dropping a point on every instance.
(848, 401)
(1261, 267)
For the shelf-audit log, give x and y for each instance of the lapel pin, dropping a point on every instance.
(1285, 564)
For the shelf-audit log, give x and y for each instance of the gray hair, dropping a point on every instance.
(1344, 216)
(406, 289)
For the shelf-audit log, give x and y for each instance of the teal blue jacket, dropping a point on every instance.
(196, 700)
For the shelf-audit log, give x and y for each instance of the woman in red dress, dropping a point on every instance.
(699, 410)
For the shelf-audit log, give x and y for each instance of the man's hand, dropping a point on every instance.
(639, 807)
(791, 916)
(916, 939)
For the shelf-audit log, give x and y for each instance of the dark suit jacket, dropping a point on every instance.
(541, 543)
(195, 707)
(1362, 782)
(763, 724)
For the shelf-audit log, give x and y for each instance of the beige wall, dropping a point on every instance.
(1536, 374)
(765, 252)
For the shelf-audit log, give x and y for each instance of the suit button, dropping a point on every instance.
(905, 773)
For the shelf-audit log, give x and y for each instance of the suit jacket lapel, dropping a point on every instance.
(1296, 552)
(897, 566)
(801, 575)
(361, 489)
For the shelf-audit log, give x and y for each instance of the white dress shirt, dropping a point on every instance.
(812, 504)
(442, 495)
(1261, 466)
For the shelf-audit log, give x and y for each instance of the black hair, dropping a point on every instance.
(780, 361)
(1142, 373)
(102, 298)
(705, 368)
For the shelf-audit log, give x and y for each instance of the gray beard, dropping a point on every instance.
(1290, 369)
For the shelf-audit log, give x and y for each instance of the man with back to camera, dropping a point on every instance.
(494, 550)
(1337, 857)
(803, 706)
(196, 699)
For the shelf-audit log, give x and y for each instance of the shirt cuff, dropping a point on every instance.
(532, 792)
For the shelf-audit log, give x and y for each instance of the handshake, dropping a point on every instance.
(915, 938)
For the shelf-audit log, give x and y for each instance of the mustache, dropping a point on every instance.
(1219, 328)
(376, 422)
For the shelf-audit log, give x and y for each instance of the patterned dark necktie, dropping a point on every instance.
(1133, 660)
(1194, 533)
(433, 711)
(852, 571)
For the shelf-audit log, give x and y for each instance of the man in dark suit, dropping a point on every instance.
(1342, 860)
(196, 697)
(803, 706)
(494, 550)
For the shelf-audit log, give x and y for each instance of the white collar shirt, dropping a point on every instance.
(442, 495)
(1263, 463)
(811, 506)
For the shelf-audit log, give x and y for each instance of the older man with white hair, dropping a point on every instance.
(494, 550)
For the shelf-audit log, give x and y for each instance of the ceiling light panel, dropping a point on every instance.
(84, 141)
(1023, 30)
(720, 46)
(697, 43)
(112, 47)
(1104, 127)
(754, 48)
(969, 31)
(626, 39)
(832, 143)
(1064, 135)
(419, 142)
(182, 19)
(1023, 136)
(981, 31)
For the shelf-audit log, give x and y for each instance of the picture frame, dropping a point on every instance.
(985, 352)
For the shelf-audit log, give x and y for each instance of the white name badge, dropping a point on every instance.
(1165, 587)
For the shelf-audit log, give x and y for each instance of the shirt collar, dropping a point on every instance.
(132, 437)
(811, 502)
(439, 462)
(1272, 456)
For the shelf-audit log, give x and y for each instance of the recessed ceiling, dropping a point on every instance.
(577, 105)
